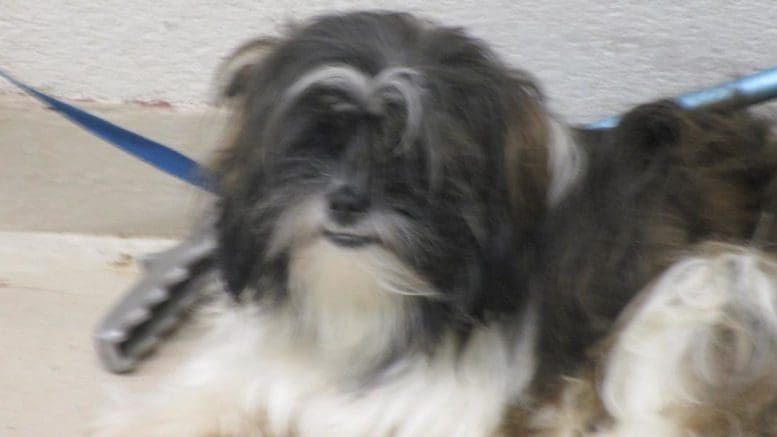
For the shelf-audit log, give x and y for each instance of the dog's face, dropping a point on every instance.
(378, 132)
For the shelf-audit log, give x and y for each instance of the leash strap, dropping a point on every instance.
(738, 93)
(153, 153)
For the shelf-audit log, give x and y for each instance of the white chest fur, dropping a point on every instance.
(286, 371)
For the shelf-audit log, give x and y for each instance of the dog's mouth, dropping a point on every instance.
(348, 239)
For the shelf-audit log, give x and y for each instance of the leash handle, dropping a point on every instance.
(149, 151)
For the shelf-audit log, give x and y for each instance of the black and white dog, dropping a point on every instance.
(414, 246)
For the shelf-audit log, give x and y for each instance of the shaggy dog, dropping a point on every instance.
(412, 245)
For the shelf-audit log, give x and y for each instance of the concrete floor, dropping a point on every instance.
(53, 290)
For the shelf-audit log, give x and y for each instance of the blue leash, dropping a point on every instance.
(158, 155)
(739, 93)
(745, 91)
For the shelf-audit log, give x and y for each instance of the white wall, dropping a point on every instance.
(594, 57)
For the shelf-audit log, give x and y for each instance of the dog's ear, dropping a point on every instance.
(653, 126)
(234, 74)
(525, 150)
(237, 249)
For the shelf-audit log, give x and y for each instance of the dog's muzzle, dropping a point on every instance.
(347, 206)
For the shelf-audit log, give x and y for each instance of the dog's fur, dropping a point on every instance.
(414, 246)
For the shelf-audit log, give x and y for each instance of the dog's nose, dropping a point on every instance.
(347, 204)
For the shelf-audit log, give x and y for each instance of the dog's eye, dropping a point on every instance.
(339, 122)
(324, 138)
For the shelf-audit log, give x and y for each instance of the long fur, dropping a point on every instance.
(695, 353)
(413, 246)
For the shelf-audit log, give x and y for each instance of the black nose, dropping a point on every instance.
(347, 204)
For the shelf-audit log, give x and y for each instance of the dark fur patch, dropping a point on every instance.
(660, 182)
(473, 183)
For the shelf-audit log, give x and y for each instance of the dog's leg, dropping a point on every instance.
(697, 352)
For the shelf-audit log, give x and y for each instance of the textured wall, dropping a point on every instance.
(593, 57)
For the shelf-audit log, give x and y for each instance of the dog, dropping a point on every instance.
(411, 244)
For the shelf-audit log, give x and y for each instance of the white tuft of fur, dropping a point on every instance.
(349, 303)
(707, 327)
(298, 224)
(290, 370)
(566, 162)
(402, 85)
(574, 413)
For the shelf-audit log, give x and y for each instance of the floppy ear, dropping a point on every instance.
(650, 128)
(233, 75)
(238, 248)
(525, 150)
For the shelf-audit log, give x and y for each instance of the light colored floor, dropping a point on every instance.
(53, 290)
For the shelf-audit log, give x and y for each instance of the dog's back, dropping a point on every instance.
(658, 186)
